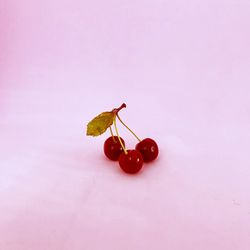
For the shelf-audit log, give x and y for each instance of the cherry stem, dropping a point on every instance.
(124, 149)
(128, 128)
(118, 109)
(111, 132)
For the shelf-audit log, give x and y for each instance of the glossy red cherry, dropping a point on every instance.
(131, 162)
(148, 149)
(112, 148)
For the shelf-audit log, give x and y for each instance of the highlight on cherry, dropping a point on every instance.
(130, 160)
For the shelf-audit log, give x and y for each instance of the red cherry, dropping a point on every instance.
(112, 148)
(131, 162)
(148, 149)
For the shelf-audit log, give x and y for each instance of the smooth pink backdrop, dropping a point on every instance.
(182, 67)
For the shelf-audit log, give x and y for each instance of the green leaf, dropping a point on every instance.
(100, 123)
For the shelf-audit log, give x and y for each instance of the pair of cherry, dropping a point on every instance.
(130, 161)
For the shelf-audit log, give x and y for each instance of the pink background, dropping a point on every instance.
(182, 67)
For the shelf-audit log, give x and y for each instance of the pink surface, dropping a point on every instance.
(182, 67)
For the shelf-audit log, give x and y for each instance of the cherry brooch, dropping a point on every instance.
(130, 160)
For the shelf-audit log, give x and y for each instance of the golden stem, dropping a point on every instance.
(111, 132)
(128, 128)
(124, 149)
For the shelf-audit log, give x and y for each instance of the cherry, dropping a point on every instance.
(112, 148)
(148, 149)
(131, 162)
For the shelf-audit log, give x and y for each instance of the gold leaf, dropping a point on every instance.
(100, 123)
